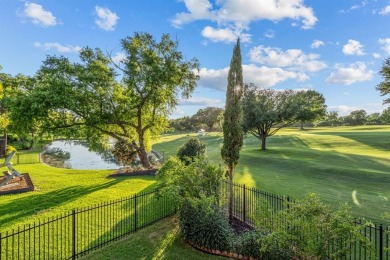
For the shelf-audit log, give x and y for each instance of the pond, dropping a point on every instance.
(76, 155)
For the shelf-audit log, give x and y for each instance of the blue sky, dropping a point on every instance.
(335, 47)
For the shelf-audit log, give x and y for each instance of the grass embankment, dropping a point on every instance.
(60, 190)
(341, 164)
(159, 241)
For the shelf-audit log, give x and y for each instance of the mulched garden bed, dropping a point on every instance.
(240, 227)
(134, 172)
(17, 185)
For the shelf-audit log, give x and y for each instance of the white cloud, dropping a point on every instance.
(106, 19)
(355, 72)
(376, 55)
(293, 58)
(353, 47)
(201, 101)
(316, 44)
(385, 44)
(385, 10)
(39, 15)
(269, 34)
(361, 5)
(224, 35)
(118, 57)
(239, 15)
(58, 47)
(261, 76)
(343, 110)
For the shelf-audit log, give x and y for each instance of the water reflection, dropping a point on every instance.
(80, 157)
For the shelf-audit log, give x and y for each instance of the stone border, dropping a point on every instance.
(30, 187)
(227, 254)
(150, 172)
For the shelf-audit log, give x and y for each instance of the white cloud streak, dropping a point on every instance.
(58, 47)
(106, 19)
(294, 59)
(201, 101)
(38, 15)
(238, 15)
(385, 45)
(316, 44)
(262, 76)
(355, 72)
(353, 47)
(226, 35)
(385, 10)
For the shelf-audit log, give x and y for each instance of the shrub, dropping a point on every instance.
(203, 223)
(248, 244)
(307, 228)
(191, 149)
(183, 181)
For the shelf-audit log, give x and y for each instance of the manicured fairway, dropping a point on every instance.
(60, 190)
(341, 164)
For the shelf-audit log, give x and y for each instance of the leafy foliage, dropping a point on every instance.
(192, 180)
(209, 116)
(193, 148)
(85, 99)
(124, 153)
(248, 244)
(203, 223)
(266, 111)
(233, 134)
(384, 86)
(307, 228)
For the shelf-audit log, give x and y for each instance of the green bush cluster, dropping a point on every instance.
(183, 181)
(204, 224)
(193, 148)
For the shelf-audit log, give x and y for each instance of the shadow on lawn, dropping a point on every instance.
(41, 202)
(376, 140)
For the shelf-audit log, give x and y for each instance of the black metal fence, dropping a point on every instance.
(76, 233)
(246, 202)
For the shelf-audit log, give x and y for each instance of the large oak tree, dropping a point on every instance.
(86, 99)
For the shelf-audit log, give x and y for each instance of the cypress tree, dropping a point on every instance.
(232, 125)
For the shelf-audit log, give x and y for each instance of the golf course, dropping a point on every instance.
(341, 164)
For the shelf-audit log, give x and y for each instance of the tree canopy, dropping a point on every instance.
(86, 99)
(384, 86)
(266, 111)
(208, 116)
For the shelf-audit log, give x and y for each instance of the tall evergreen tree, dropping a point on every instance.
(232, 129)
(384, 86)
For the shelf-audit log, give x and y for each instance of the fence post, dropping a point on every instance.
(1, 249)
(73, 234)
(135, 212)
(380, 242)
(244, 204)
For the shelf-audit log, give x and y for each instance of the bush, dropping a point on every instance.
(248, 244)
(124, 153)
(183, 181)
(191, 149)
(204, 224)
(307, 228)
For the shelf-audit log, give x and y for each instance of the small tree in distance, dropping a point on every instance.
(191, 149)
(232, 129)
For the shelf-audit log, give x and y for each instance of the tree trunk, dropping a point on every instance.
(301, 125)
(263, 141)
(143, 155)
(231, 171)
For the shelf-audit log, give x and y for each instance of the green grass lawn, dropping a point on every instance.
(159, 241)
(60, 190)
(341, 164)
